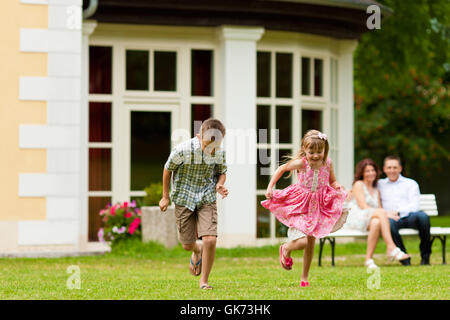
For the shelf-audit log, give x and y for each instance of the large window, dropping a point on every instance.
(202, 87)
(292, 93)
(334, 112)
(139, 94)
(312, 76)
(150, 70)
(275, 136)
(100, 135)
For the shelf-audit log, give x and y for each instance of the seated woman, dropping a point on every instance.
(366, 213)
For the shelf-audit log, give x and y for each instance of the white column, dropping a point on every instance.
(346, 105)
(237, 99)
(88, 29)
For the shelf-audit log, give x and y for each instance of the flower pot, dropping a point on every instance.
(159, 226)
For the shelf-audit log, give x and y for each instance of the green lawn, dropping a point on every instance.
(148, 271)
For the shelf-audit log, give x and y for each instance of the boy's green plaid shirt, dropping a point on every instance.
(194, 174)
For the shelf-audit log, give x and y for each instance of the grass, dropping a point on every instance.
(135, 270)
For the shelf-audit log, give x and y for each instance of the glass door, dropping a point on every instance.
(149, 145)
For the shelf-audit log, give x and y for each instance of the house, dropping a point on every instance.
(97, 93)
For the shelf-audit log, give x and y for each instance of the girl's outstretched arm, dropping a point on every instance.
(290, 166)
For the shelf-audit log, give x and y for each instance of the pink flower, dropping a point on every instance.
(133, 226)
(125, 204)
(100, 235)
(113, 210)
(138, 211)
(119, 230)
(133, 204)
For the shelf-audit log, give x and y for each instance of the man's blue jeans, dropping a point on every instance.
(415, 220)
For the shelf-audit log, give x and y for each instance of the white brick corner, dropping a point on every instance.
(45, 185)
(43, 136)
(38, 232)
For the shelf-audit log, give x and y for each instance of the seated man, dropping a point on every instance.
(400, 197)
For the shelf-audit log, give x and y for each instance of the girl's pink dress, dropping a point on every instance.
(311, 205)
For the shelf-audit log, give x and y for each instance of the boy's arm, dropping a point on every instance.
(175, 160)
(220, 170)
(165, 200)
(220, 188)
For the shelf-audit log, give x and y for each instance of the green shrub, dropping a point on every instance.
(153, 194)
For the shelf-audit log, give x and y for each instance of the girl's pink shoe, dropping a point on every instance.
(304, 284)
(286, 263)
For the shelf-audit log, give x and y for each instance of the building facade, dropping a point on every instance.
(92, 106)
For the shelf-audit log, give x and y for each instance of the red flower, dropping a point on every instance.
(127, 215)
(133, 226)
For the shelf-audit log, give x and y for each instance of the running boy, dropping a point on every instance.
(198, 167)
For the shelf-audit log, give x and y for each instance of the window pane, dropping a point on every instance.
(336, 87)
(100, 65)
(311, 119)
(199, 113)
(332, 92)
(262, 219)
(137, 69)
(95, 220)
(202, 72)
(333, 81)
(263, 123)
(99, 122)
(306, 76)
(280, 229)
(334, 156)
(284, 181)
(263, 169)
(263, 74)
(99, 169)
(318, 77)
(165, 71)
(284, 123)
(150, 147)
(334, 127)
(284, 75)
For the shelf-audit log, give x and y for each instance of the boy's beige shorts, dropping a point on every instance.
(195, 224)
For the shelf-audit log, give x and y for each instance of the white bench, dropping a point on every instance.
(427, 204)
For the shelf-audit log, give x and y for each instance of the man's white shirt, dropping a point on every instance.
(402, 195)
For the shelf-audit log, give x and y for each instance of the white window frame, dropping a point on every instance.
(298, 102)
(152, 92)
(125, 175)
(151, 38)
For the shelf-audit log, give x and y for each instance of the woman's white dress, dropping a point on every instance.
(359, 218)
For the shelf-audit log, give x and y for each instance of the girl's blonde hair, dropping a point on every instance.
(315, 140)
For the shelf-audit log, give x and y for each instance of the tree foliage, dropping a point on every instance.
(413, 123)
(402, 77)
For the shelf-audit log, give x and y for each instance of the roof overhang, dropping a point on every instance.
(342, 19)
